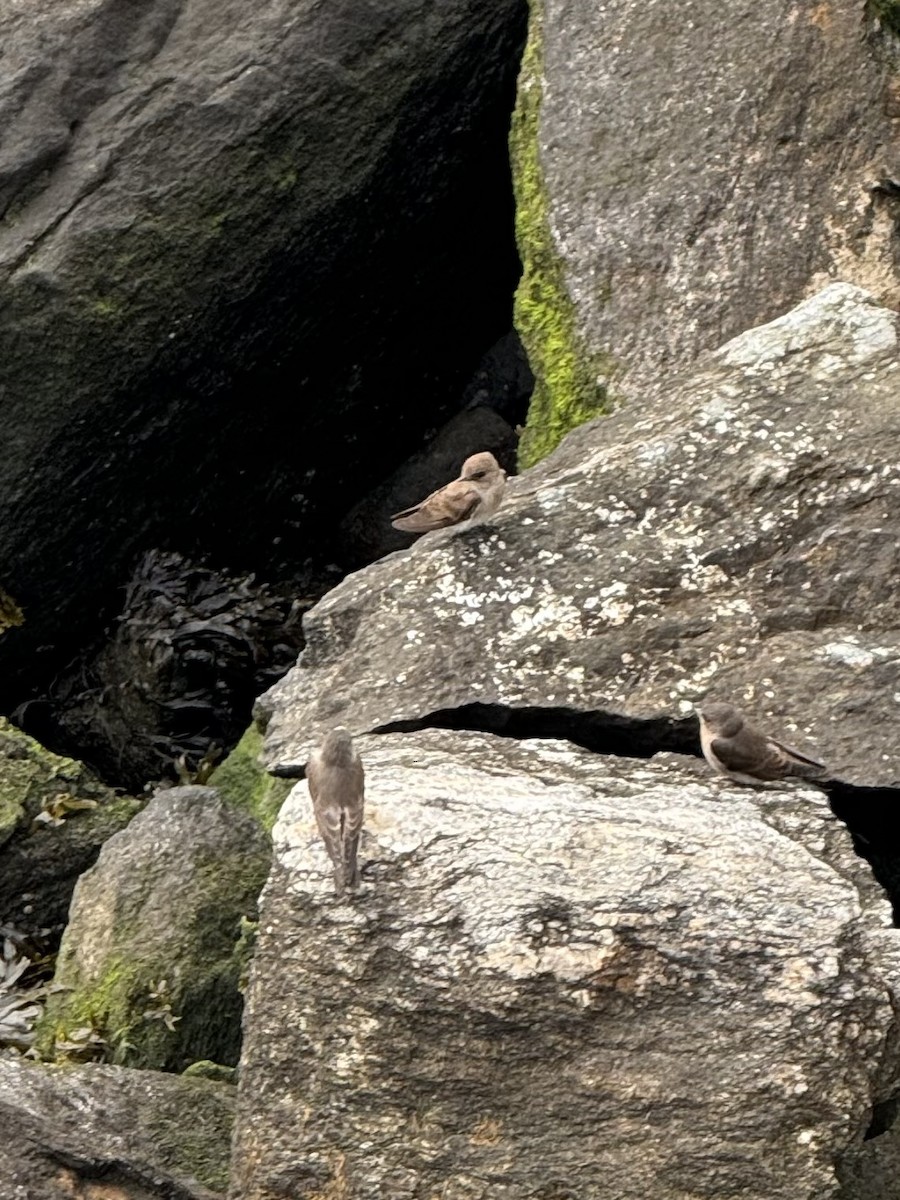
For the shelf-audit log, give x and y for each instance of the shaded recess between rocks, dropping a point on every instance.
(598, 731)
(202, 300)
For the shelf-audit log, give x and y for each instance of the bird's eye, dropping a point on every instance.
(478, 475)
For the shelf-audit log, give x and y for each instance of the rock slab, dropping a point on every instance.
(735, 534)
(565, 975)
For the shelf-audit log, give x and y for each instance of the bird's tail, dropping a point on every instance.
(805, 768)
(346, 872)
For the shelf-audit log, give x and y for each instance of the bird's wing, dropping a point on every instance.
(749, 754)
(354, 800)
(798, 756)
(454, 503)
(312, 775)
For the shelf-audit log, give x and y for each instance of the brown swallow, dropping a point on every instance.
(476, 494)
(335, 777)
(734, 747)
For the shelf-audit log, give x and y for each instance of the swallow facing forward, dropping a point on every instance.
(734, 747)
(475, 495)
(334, 774)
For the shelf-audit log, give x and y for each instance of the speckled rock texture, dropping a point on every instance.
(564, 975)
(54, 817)
(236, 244)
(149, 968)
(108, 1133)
(733, 534)
(706, 166)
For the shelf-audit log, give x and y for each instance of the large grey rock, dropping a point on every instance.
(108, 1133)
(737, 534)
(564, 975)
(698, 170)
(209, 214)
(149, 968)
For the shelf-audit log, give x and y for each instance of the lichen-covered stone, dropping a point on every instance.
(687, 172)
(734, 534)
(54, 817)
(563, 975)
(108, 1133)
(148, 970)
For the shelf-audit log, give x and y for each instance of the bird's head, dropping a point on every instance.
(721, 718)
(481, 467)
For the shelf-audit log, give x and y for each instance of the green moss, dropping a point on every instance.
(90, 1023)
(888, 13)
(241, 780)
(567, 389)
(204, 1069)
(10, 613)
(33, 779)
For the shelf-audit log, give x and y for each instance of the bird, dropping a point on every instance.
(475, 494)
(336, 783)
(737, 749)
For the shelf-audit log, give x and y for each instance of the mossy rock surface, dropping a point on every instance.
(149, 968)
(243, 781)
(54, 817)
(568, 389)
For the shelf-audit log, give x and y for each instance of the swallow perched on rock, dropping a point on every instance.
(476, 494)
(335, 777)
(734, 747)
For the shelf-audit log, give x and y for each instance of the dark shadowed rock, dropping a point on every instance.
(54, 817)
(735, 534)
(686, 173)
(108, 1133)
(191, 650)
(564, 975)
(235, 246)
(149, 966)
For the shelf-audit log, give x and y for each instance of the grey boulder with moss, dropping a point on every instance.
(687, 172)
(564, 975)
(733, 534)
(197, 202)
(150, 964)
(54, 817)
(112, 1134)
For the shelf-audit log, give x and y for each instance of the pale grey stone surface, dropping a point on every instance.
(708, 165)
(565, 975)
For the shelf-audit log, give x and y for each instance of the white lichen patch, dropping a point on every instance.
(847, 654)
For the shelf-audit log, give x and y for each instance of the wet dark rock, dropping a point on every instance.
(237, 247)
(106, 1133)
(191, 650)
